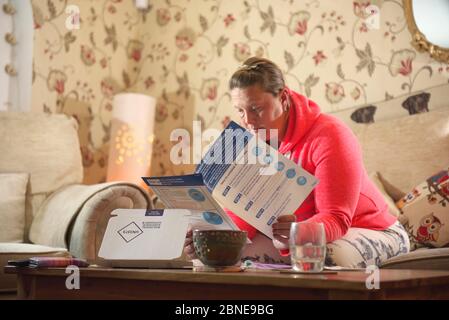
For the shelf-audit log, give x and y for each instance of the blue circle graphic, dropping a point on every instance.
(268, 159)
(257, 151)
(196, 195)
(291, 173)
(301, 180)
(279, 166)
(212, 217)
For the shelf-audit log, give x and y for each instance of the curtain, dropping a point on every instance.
(16, 54)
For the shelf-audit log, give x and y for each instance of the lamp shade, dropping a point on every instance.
(132, 135)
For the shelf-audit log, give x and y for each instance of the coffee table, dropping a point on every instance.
(108, 283)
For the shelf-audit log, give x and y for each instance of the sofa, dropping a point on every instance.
(45, 210)
(400, 154)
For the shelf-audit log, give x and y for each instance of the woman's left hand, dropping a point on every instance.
(281, 231)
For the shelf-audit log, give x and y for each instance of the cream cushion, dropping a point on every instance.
(376, 178)
(13, 188)
(49, 152)
(18, 251)
(406, 150)
(44, 145)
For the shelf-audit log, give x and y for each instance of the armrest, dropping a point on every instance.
(75, 217)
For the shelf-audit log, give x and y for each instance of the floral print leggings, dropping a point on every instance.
(362, 247)
(357, 249)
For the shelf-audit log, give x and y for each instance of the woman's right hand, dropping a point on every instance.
(189, 250)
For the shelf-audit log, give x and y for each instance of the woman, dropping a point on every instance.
(359, 229)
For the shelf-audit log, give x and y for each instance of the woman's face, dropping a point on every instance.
(259, 109)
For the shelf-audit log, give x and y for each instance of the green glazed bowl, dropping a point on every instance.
(219, 248)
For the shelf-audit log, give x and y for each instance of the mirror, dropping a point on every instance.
(428, 22)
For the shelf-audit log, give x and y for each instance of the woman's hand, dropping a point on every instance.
(189, 249)
(281, 231)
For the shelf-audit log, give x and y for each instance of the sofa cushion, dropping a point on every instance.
(46, 146)
(425, 211)
(17, 251)
(13, 187)
(426, 259)
(406, 150)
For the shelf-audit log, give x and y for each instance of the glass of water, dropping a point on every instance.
(307, 246)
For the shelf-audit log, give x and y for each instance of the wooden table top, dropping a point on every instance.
(348, 280)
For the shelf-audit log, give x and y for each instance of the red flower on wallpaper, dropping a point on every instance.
(298, 23)
(56, 81)
(363, 27)
(163, 16)
(402, 62)
(211, 93)
(209, 89)
(87, 156)
(161, 112)
(149, 82)
(360, 8)
(136, 55)
(301, 27)
(185, 38)
(406, 67)
(59, 86)
(38, 17)
(183, 57)
(334, 92)
(318, 57)
(355, 94)
(112, 9)
(87, 55)
(104, 63)
(134, 50)
(228, 19)
(241, 51)
(109, 87)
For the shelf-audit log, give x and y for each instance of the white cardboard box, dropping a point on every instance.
(140, 238)
(143, 238)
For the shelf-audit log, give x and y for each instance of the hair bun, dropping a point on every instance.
(245, 67)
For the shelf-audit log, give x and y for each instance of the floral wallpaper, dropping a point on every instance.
(342, 54)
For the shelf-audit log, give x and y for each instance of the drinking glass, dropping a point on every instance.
(307, 246)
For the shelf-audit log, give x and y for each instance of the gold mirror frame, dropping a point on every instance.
(419, 40)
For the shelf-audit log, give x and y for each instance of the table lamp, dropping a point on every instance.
(132, 135)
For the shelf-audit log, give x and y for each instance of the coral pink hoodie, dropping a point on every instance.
(325, 147)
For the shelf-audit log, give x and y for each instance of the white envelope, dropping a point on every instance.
(140, 238)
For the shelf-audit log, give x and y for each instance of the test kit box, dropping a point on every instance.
(140, 238)
(143, 238)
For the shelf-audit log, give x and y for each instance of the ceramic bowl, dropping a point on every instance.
(219, 248)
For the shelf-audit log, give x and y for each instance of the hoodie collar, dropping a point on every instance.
(302, 115)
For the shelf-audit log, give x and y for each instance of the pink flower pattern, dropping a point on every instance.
(318, 57)
(151, 53)
(229, 19)
(402, 62)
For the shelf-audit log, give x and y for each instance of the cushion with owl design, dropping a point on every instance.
(425, 212)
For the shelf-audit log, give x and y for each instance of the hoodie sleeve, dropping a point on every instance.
(242, 224)
(337, 157)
